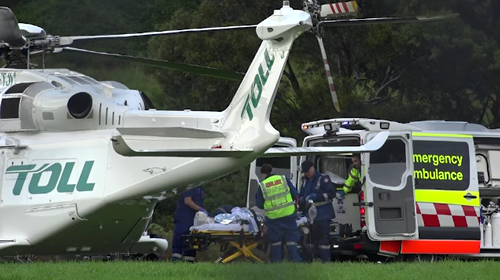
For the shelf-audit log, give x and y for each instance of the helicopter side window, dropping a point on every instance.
(11, 101)
(10, 108)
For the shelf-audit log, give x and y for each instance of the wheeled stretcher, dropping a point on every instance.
(235, 240)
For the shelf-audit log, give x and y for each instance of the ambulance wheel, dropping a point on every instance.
(423, 258)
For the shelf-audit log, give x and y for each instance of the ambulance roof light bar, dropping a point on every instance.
(346, 124)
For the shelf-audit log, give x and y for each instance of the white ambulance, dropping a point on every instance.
(422, 190)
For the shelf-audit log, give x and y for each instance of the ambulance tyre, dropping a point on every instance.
(422, 258)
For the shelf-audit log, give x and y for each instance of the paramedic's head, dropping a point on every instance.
(266, 170)
(356, 160)
(307, 167)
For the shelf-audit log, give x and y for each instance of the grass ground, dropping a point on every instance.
(166, 270)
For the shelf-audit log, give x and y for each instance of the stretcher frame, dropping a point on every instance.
(233, 243)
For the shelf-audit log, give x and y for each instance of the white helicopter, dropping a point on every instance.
(83, 163)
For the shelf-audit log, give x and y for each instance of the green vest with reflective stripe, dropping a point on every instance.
(354, 176)
(278, 201)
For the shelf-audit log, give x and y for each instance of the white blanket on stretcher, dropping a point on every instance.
(234, 227)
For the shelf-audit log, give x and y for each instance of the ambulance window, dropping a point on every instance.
(388, 164)
(281, 166)
(441, 165)
(278, 163)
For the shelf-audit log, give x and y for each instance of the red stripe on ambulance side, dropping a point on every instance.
(390, 246)
(440, 246)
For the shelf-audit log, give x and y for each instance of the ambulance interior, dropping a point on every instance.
(337, 167)
(488, 169)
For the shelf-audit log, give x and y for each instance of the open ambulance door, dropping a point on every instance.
(286, 165)
(389, 189)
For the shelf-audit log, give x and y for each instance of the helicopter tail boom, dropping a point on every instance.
(243, 129)
(249, 111)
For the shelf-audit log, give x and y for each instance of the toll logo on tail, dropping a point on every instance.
(58, 175)
(257, 86)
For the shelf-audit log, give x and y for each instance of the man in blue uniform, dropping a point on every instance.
(190, 202)
(318, 188)
(276, 195)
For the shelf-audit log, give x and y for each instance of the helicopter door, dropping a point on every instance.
(281, 166)
(389, 189)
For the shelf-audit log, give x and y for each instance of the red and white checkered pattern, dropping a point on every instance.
(447, 215)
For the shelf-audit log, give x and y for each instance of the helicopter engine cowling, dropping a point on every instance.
(61, 100)
(46, 106)
(80, 105)
(64, 110)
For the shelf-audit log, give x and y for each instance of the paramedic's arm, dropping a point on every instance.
(293, 190)
(351, 179)
(259, 199)
(189, 202)
(327, 188)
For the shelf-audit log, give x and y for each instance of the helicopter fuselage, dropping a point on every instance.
(64, 187)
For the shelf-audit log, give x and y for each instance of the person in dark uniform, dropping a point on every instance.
(190, 202)
(319, 188)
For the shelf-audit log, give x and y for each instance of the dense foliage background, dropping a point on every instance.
(403, 72)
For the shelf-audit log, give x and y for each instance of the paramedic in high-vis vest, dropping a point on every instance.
(276, 195)
(319, 188)
(354, 177)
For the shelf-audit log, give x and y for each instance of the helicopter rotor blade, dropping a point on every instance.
(365, 21)
(70, 39)
(9, 29)
(333, 92)
(200, 70)
(332, 10)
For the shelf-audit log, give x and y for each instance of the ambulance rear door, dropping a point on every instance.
(281, 166)
(389, 189)
(446, 187)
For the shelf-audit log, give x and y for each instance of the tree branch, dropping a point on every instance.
(485, 108)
